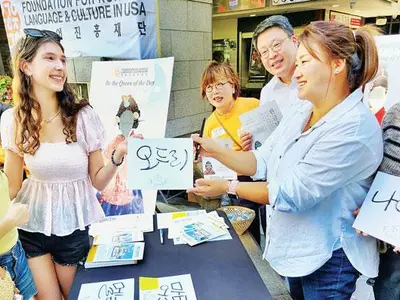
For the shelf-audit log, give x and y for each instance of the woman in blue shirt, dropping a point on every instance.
(318, 165)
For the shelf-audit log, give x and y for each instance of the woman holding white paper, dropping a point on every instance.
(318, 164)
(220, 85)
(387, 285)
(60, 140)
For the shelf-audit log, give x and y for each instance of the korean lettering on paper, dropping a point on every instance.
(174, 291)
(114, 291)
(162, 155)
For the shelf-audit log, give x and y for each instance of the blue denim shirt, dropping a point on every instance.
(316, 180)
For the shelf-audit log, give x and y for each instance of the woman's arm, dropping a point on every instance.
(101, 174)
(252, 191)
(14, 168)
(16, 215)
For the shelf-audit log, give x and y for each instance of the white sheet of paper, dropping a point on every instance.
(160, 163)
(167, 288)
(380, 213)
(212, 168)
(261, 122)
(123, 288)
(164, 220)
(136, 222)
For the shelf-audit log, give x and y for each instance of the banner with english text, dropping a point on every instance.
(124, 29)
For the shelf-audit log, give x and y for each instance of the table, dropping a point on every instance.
(220, 270)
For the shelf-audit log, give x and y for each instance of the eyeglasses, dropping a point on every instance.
(38, 33)
(275, 47)
(219, 86)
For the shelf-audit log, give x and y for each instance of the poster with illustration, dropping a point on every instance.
(131, 98)
(382, 92)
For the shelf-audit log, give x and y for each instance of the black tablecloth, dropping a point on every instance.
(220, 270)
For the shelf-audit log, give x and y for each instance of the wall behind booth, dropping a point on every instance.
(185, 34)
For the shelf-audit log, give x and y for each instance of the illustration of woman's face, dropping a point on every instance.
(208, 166)
(128, 106)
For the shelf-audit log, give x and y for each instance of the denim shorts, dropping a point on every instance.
(15, 263)
(69, 250)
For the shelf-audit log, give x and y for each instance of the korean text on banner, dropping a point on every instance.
(119, 29)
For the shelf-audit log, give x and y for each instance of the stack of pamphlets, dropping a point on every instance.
(118, 240)
(134, 222)
(118, 237)
(114, 255)
(195, 227)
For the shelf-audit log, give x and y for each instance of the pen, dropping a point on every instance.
(161, 236)
(198, 146)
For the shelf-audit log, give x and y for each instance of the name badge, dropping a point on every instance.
(217, 132)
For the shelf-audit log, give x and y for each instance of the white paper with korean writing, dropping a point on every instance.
(380, 213)
(160, 163)
(261, 122)
(114, 289)
(212, 168)
(167, 288)
(120, 29)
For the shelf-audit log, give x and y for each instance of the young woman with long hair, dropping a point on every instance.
(60, 139)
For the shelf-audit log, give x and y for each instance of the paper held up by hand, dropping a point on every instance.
(212, 168)
(380, 213)
(261, 122)
(165, 163)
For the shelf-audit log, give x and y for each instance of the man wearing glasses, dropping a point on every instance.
(275, 42)
(277, 46)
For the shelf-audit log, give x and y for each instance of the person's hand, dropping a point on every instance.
(355, 213)
(246, 140)
(209, 187)
(122, 148)
(17, 214)
(208, 147)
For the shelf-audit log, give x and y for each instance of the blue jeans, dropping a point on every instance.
(387, 285)
(336, 279)
(16, 264)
